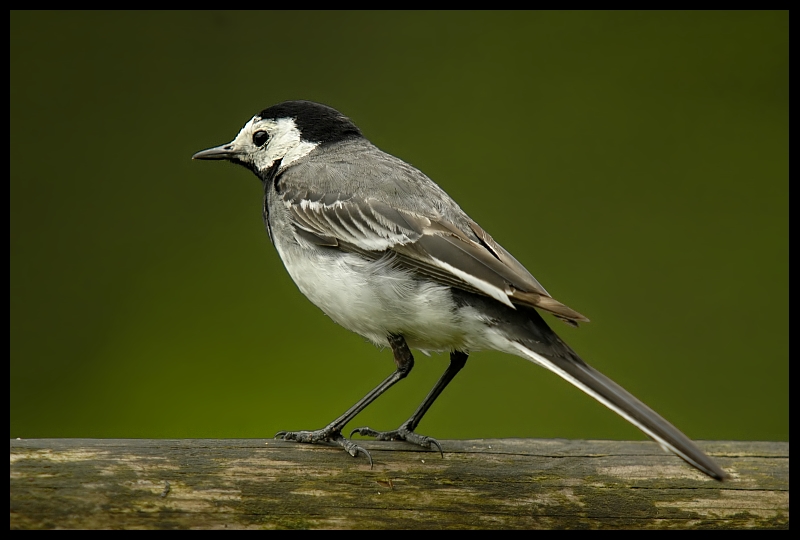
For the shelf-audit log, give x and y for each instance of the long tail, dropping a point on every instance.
(619, 400)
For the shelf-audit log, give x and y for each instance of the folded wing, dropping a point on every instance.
(435, 248)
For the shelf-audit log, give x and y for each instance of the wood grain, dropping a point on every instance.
(479, 484)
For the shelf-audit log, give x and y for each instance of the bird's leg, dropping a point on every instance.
(406, 430)
(333, 432)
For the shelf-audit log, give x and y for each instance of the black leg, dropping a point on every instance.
(333, 431)
(406, 430)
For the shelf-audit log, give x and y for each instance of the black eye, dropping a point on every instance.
(260, 138)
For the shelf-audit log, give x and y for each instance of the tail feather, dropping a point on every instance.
(619, 400)
(523, 331)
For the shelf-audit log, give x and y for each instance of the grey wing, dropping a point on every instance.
(429, 246)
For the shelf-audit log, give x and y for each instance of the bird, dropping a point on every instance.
(384, 252)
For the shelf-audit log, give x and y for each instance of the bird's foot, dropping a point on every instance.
(329, 435)
(403, 433)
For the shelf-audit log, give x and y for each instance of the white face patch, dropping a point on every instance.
(284, 143)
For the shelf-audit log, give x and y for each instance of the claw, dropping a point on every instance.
(351, 448)
(365, 431)
(439, 446)
(358, 450)
(369, 457)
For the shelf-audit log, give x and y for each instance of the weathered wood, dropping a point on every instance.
(508, 483)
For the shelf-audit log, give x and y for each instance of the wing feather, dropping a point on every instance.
(433, 247)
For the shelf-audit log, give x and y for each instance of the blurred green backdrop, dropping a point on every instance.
(647, 152)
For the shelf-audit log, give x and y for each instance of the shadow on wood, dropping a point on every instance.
(497, 484)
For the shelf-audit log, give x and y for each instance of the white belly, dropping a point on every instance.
(373, 299)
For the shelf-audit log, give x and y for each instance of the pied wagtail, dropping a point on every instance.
(386, 253)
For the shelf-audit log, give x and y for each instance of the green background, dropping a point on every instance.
(635, 162)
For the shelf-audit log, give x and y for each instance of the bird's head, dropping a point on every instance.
(282, 134)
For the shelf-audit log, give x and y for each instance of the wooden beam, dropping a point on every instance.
(479, 484)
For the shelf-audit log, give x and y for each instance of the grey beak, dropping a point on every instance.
(225, 151)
